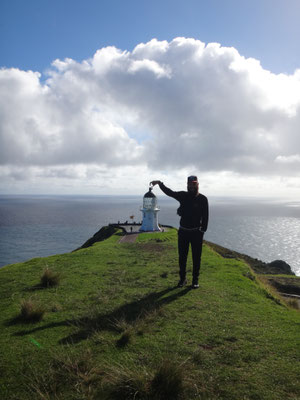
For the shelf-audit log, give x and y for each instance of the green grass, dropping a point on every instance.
(116, 327)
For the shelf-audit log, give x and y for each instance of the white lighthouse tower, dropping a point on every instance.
(150, 210)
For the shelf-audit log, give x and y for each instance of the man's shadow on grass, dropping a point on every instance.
(129, 313)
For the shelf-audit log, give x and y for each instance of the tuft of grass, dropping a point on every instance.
(50, 278)
(164, 275)
(31, 311)
(124, 384)
(66, 368)
(168, 381)
(120, 324)
(126, 330)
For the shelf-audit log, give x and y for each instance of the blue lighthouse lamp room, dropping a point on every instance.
(150, 211)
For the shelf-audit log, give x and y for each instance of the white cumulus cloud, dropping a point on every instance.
(165, 106)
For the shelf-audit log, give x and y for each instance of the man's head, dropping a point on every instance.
(192, 184)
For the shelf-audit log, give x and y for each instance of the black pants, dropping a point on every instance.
(185, 238)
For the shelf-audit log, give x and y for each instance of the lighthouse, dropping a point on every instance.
(150, 210)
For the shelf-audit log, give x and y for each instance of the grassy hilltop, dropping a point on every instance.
(114, 326)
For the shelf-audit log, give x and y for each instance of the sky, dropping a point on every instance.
(101, 97)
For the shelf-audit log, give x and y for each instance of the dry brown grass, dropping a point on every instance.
(294, 303)
(168, 381)
(31, 311)
(50, 278)
(121, 383)
(67, 368)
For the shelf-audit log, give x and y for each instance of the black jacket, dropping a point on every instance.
(193, 209)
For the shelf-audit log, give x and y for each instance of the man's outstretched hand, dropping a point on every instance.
(153, 183)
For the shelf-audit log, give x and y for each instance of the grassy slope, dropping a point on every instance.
(116, 318)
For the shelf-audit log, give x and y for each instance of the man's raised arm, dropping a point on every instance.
(165, 189)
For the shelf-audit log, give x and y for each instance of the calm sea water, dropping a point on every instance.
(38, 226)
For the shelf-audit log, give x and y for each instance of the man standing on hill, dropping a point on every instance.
(193, 211)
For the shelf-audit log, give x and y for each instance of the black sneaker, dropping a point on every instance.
(195, 285)
(182, 283)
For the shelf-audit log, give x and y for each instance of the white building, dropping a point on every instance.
(150, 210)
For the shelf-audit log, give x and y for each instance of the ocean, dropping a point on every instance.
(39, 226)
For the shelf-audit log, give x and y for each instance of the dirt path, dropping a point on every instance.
(129, 238)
